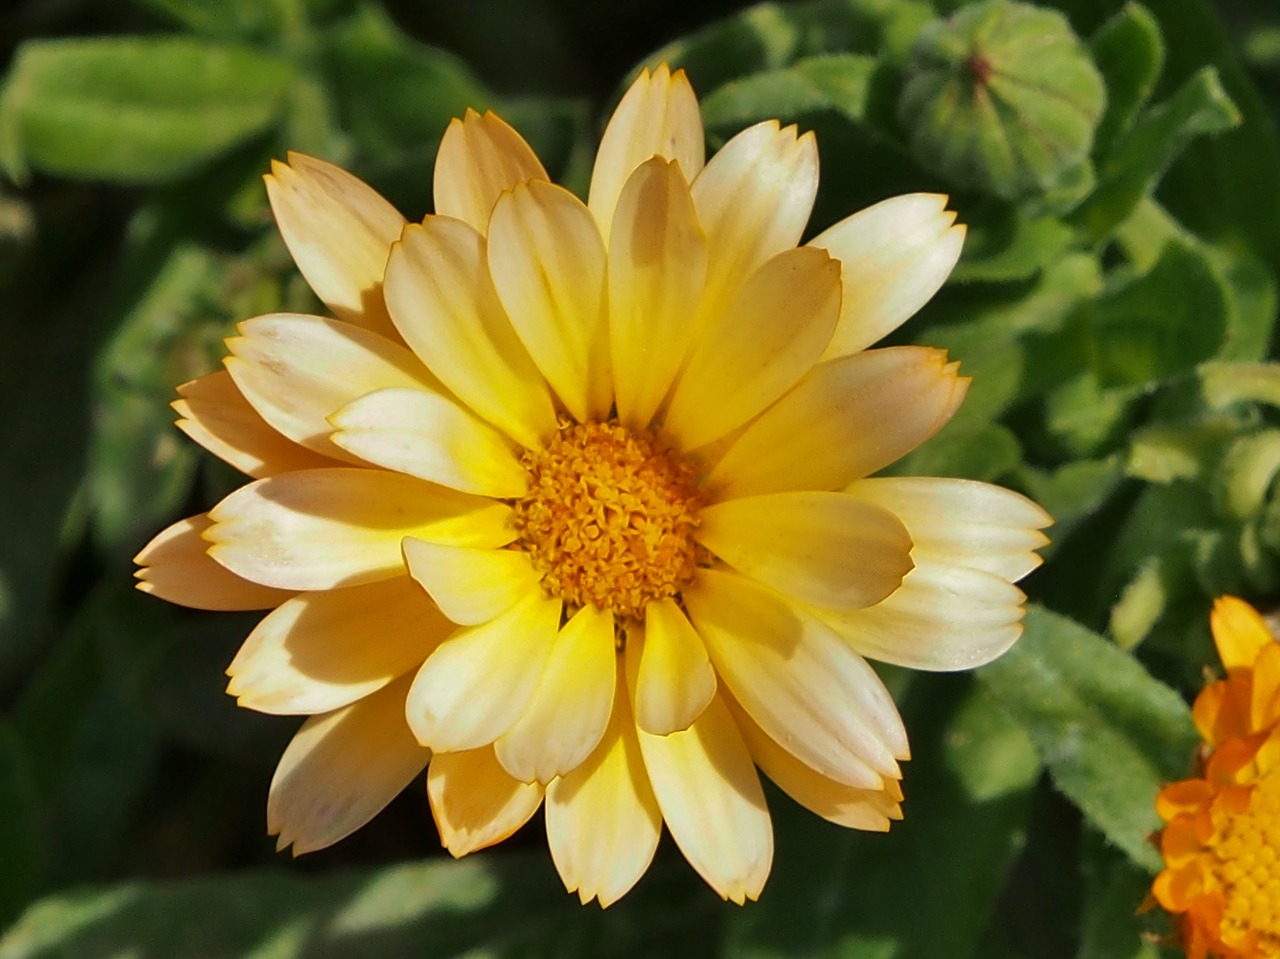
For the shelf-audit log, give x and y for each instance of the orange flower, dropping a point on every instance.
(1221, 844)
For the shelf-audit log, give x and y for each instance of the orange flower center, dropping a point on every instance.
(1247, 853)
(609, 518)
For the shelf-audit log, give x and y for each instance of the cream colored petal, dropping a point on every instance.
(710, 797)
(771, 335)
(846, 419)
(1239, 632)
(824, 548)
(341, 769)
(896, 256)
(297, 370)
(471, 586)
(480, 158)
(657, 116)
(962, 522)
(753, 199)
(215, 414)
(430, 436)
(317, 529)
(474, 802)
(657, 265)
(798, 680)
(548, 265)
(568, 714)
(943, 618)
(323, 650)
(603, 821)
(176, 566)
(670, 672)
(445, 306)
(478, 683)
(339, 231)
(848, 806)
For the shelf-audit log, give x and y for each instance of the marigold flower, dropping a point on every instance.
(570, 503)
(1221, 844)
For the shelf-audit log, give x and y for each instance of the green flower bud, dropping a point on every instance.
(1001, 97)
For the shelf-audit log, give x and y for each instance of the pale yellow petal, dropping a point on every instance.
(474, 802)
(476, 685)
(771, 334)
(962, 522)
(548, 265)
(176, 566)
(846, 419)
(445, 306)
(798, 680)
(657, 265)
(1239, 631)
(480, 158)
(316, 529)
(896, 256)
(323, 650)
(753, 199)
(430, 436)
(568, 714)
(671, 674)
(603, 821)
(848, 806)
(710, 797)
(215, 414)
(341, 769)
(471, 586)
(297, 370)
(943, 618)
(657, 116)
(824, 548)
(339, 231)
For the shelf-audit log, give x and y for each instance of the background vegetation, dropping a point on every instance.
(1116, 305)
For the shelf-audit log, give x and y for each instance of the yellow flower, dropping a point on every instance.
(571, 501)
(1221, 844)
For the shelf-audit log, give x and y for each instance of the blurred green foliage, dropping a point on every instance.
(1115, 305)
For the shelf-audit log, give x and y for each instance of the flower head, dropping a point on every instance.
(1221, 844)
(571, 502)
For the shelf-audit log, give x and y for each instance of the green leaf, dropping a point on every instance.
(1248, 469)
(507, 905)
(984, 452)
(140, 465)
(20, 832)
(92, 745)
(230, 19)
(1138, 161)
(1001, 97)
(392, 92)
(1129, 53)
(1013, 246)
(1088, 418)
(135, 110)
(1113, 926)
(1109, 732)
(769, 36)
(1166, 452)
(1073, 492)
(1228, 383)
(837, 82)
(1162, 323)
(1141, 605)
(924, 891)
